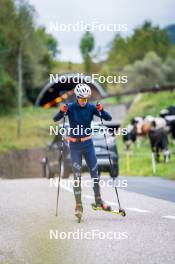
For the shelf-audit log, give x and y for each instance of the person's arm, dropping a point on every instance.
(63, 111)
(100, 112)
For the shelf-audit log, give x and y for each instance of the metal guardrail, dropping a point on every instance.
(154, 89)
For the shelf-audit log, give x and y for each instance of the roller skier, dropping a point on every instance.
(80, 114)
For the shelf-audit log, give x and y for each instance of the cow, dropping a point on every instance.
(159, 142)
(155, 129)
(168, 111)
(169, 116)
(130, 137)
(170, 120)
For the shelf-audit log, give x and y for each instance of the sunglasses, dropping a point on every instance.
(83, 100)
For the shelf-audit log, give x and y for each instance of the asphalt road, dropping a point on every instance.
(31, 234)
(152, 186)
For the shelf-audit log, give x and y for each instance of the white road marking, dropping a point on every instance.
(169, 217)
(109, 202)
(138, 210)
(88, 196)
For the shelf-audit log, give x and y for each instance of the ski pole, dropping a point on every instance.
(110, 161)
(60, 162)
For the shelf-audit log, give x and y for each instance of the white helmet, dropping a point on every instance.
(82, 90)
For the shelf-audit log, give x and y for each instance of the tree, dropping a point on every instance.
(86, 47)
(40, 60)
(171, 32)
(170, 64)
(8, 51)
(149, 72)
(118, 56)
(37, 49)
(146, 38)
(7, 91)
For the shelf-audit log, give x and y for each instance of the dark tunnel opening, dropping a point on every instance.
(54, 93)
(57, 90)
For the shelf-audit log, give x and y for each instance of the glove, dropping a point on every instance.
(64, 108)
(99, 107)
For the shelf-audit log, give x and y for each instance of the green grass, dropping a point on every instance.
(34, 132)
(66, 66)
(151, 104)
(110, 100)
(118, 100)
(138, 162)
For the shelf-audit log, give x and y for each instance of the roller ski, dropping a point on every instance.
(79, 212)
(107, 208)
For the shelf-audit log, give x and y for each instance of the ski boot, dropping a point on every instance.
(79, 211)
(101, 205)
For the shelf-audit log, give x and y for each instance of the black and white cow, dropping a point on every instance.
(130, 136)
(159, 143)
(168, 111)
(169, 116)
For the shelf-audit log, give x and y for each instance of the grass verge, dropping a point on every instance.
(34, 130)
(139, 162)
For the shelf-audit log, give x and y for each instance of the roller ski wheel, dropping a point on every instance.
(122, 212)
(99, 208)
(79, 212)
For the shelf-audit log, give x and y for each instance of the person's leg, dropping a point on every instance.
(76, 157)
(91, 161)
(164, 147)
